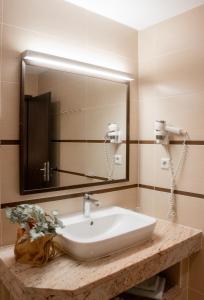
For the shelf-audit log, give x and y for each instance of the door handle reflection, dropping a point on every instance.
(46, 171)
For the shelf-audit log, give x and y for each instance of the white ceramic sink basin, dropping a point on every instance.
(106, 231)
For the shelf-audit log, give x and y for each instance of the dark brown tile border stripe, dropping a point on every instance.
(74, 195)
(9, 142)
(165, 190)
(141, 142)
(17, 142)
(79, 141)
(180, 142)
(91, 141)
(145, 186)
(187, 142)
(146, 142)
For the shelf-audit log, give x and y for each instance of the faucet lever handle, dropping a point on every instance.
(87, 197)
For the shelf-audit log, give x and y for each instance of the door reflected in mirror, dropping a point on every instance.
(74, 130)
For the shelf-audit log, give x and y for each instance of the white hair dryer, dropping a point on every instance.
(114, 133)
(162, 131)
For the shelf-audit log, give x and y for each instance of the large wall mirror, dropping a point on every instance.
(74, 125)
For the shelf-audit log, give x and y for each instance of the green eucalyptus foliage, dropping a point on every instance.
(34, 220)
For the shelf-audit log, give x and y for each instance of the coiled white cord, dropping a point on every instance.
(174, 174)
(109, 159)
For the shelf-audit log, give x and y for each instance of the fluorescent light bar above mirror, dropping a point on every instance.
(59, 63)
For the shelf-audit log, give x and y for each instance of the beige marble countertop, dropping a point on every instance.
(65, 278)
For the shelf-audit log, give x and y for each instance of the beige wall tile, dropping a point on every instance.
(46, 36)
(146, 203)
(106, 34)
(74, 23)
(133, 163)
(8, 230)
(174, 74)
(110, 60)
(9, 111)
(9, 170)
(178, 33)
(123, 198)
(17, 40)
(147, 83)
(1, 35)
(161, 204)
(189, 210)
(190, 177)
(40, 16)
(134, 113)
(133, 130)
(180, 73)
(154, 203)
(147, 164)
(133, 120)
(147, 44)
(146, 119)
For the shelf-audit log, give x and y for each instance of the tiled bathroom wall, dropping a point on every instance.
(76, 34)
(171, 88)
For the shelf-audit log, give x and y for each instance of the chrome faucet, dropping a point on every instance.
(88, 201)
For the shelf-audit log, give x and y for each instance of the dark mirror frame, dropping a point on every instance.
(23, 143)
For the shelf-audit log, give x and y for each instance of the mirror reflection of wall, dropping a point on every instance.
(80, 110)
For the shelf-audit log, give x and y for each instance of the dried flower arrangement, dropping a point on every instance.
(35, 234)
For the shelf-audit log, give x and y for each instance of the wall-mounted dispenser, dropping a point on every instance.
(162, 132)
